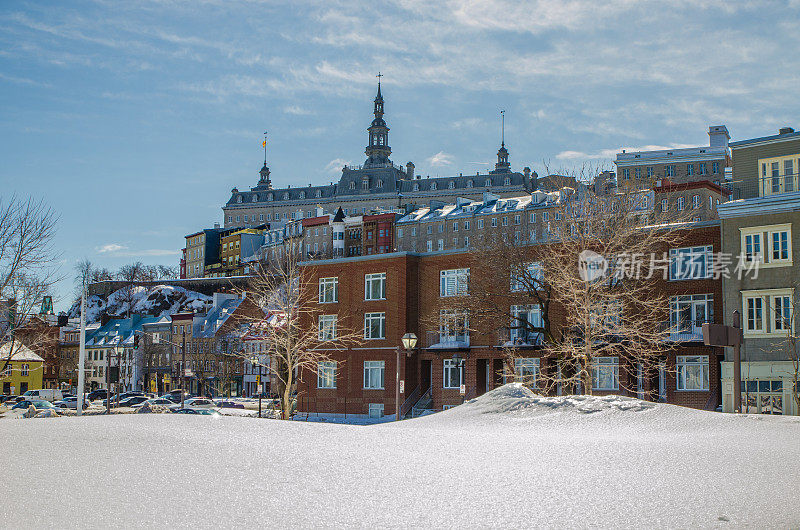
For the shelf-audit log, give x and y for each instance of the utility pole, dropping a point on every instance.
(183, 366)
(108, 382)
(82, 350)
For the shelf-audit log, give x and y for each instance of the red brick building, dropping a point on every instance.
(388, 295)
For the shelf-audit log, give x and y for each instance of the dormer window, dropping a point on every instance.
(238, 198)
(470, 183)
(507, 181)
(302, 195)
(451, 185)
(416, 187)
(487, 183)
(270, 197)
(318, 194)
(352, 185)
(433, 185)
(379, 184)
(365, 183)
(255, 197)
(286, 196)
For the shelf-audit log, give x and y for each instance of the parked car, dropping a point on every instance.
(131, 401)
(126, 395)
(199, 403)
(8, 398)
(156, 401)
(203, 412)
(229, 404)
(98, 394)
(70, 403)
(37, 404)
(45, 394)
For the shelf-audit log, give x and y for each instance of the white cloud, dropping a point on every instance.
(612, 153)
(297, 110)
(441, 159)
(110, 248)
(336, 164)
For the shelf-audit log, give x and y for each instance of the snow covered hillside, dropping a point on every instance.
(155, 301)
(508, 458)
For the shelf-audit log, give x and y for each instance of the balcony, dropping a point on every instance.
(685, 331)
(436, 340)
(519, 338)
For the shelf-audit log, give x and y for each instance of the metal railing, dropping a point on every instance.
(519, 338)
(684, 331)
(749, 187)
(410, 401)
(447, 340)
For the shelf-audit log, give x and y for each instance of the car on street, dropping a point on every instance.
(203, 412)
(199, 403)
(126, 395)
(38, 405)
(44, 394)
(132, 400)
(98, 394)
(229, 404)
(155, 401)
(70, 403)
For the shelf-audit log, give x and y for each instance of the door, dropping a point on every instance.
(426, 375)
(480, 375)
(23, 387)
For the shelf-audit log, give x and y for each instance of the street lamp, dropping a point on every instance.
(409, 341)
(458, 362)
(254, 360)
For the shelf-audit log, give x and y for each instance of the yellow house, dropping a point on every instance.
(24, 371)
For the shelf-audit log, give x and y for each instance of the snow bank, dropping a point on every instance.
(507, 459)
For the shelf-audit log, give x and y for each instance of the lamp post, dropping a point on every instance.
(409, 341)
(255, 362)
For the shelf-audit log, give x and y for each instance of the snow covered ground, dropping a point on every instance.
(506, 459)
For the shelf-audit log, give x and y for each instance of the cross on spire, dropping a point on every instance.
(264, 143)
(503, 128)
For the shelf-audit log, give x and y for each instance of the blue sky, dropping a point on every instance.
(135, 119)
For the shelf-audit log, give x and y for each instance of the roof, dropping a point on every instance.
(208, 326)
(118, 331)
(21, 352)
(765, 139)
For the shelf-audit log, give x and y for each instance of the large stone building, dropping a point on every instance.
(378, 184)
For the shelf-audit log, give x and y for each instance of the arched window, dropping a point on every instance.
(302, 195)
(379, 184)
(488, 183)
(451, 185)
(255, 197)
(433, 185)
(352, 185)
(238, 198)
(318, 194)
(416, 187)
(470, 183)
(507, 181)
(270, 197)
(286, 196)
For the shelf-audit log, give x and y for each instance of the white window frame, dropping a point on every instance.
(380, 318)
(374, 375)
(453, 282)
(765, 235)
(689, 261)
(692, 373)
(375, 411)
(326, 374)
(526, 371)
(605, 365)
(327, 327)
(520, 333)
(449, 367)
(767, 300)
(329, 286)
(533, 270)
(370, 282)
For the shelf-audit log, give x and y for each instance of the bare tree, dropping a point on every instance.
(27, 263)
(582, 291)
(791, 343)
(297, 340)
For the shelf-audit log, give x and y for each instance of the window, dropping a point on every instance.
(433, 185)
(327, 327)
(430, 246)
(687, 313)
(715, 167)
(777, 239)
(692, 372)
(453, 282)
(669, 171)
(487, 183)
(375, 325)
(626, 173)
(605, 373)
(528, 278)
(375, 286)
(453, 375)
(494, 221)
(752, 247)
(466, 225)
(451, 185)
(455, 226)
(768, 311)
(375, 410)
(480, 224)
(505, 221)
(470, 183)
(23, 371)
(650, 172)
(690, 169)
(680, 203)
(780, 246)
(690, 263)
(702, 168)
(373, 374)
(440, 245)
(664, 205)
(517, 219)
(637, 172)
(328, 290)
(523, 319)
(326, 374)
(526, 371)
(453, 327)
(695, 201)
(533, 217)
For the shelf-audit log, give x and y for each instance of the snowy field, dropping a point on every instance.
(506, 459)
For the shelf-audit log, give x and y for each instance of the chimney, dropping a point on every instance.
(527, 172)
(410, 170)
(785, 130)
(216, 225)
(718, 136)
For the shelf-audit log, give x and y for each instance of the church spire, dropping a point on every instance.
(378, 149)
(502, 165)
(264, 181)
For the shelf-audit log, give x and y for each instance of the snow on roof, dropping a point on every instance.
(21, 352)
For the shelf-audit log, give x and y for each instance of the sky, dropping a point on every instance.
(134, 120)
